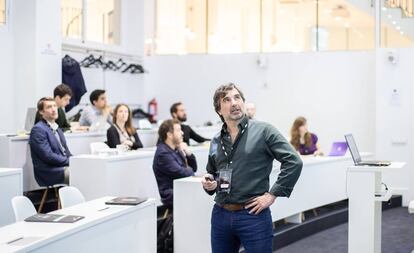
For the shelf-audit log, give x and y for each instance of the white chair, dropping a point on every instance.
(70, 196)
(22, 208)
(97, 146)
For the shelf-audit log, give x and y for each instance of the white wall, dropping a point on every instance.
(7, 79)
(333, 90)
(394, 117)
(37, 47)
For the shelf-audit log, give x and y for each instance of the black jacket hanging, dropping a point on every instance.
(72, 76)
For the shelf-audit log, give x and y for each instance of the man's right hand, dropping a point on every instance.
(208, 182)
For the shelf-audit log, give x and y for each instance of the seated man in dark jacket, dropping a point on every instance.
(50, 154)
(172, 159)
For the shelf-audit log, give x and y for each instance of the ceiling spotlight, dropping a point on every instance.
(340, 11)
(389, 16)
(398, 28)
(394, 22)
(401, 32)
(384, 8)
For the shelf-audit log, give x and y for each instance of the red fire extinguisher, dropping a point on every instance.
(152, 110)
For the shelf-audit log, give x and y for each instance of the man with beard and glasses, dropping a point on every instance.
(172, 160)
(239, 164)
(177, 111)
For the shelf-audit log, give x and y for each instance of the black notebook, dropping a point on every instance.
(132, 201)
(58, 218)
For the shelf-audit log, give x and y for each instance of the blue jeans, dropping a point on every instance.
(229, 230)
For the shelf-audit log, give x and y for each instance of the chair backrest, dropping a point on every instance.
(22, 208)
(411, 206)
(97, 146)
(70, 196)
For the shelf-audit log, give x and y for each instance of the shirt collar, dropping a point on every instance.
(244, 123)
(52, 125)
(96, 110)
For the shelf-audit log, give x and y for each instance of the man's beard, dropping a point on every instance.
(182, 119)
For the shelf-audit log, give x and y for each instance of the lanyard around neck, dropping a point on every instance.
(234, 146)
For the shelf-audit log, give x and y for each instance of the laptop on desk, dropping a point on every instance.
(338, 149)
(357, 157)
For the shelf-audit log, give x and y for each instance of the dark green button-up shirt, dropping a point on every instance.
(255, 148)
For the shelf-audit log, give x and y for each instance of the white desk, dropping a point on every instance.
(365, 208)
(117, 229)
(15, 152)
(128, 174)
(322, 181)
(10, 186)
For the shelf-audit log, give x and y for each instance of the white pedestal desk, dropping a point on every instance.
(116, 229)
(10, 186)
(365, 207)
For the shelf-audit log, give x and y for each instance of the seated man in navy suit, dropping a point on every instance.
(172, 159)
(50, 154)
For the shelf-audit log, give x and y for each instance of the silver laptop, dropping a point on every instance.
(30, 118)
(357, 157)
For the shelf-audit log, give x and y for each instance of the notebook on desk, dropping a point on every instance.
(131, 201)
(56, 218)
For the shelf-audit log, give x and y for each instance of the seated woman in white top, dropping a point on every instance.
(122, 131)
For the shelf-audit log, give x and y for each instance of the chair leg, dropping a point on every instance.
(58, 199)
(42, 202)
(315, 213)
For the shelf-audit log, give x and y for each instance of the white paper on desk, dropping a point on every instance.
(26, 241)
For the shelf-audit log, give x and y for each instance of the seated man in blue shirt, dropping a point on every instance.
(97, 116)
(50, 154)
(172, 159)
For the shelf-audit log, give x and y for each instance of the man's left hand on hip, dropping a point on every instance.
(260, 203)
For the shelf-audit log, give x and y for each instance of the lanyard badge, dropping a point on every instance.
(225, 180)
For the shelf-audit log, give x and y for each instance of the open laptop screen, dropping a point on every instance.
(353, 148)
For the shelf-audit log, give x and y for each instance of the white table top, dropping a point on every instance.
(10, 171)
(47, 232)
(140, 153)
(367, 168)
(310, 160)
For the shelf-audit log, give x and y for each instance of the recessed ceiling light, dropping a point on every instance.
(389, 16)
(384, 8)
(394, 22)
(398, 28)
(401, 32)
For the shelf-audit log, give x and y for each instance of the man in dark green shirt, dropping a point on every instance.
(239, 164)
(62, 95)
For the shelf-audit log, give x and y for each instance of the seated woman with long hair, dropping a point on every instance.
(305, 142)
(122, 131)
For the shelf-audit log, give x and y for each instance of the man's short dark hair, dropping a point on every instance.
(95, 95)
(61, 90)
(166, 127)
(174, 107)
(41, 103)
(221, 92)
